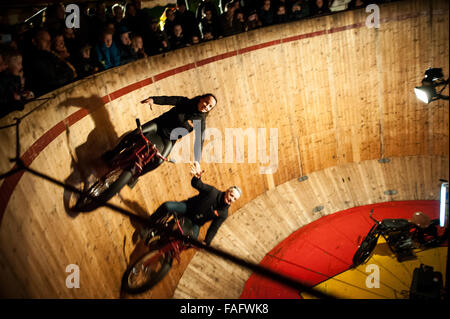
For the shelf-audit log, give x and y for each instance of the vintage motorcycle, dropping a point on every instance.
(151, 267)
(138, 155)
(402, 237)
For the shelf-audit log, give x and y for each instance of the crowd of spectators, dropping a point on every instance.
(54, 55)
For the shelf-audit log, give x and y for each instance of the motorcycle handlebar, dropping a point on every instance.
(371, 213)
(138, 123)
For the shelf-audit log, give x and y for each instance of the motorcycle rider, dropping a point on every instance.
(181, 116)
(209, 204)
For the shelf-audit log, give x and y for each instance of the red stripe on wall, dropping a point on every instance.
(130, 88)
(6, 190)
(303, 36)
(216, 58)
(259, 46)
(172, 72)
(346, 27)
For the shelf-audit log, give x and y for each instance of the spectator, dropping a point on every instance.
(178, 40)
(357, 4)
(3, 65)
(265, 14)
(98, 21)
(60, 50)
(13, 95)
(281, 15)
(300, 10)
(83, 62)
(106, 51)
(131, 19)
(86, 33)
(110, 27)
(251, 5)
(70, 40)
(207, 37)
(44, 70)
(169, 22)
(59, 47)
(19, 37)
(138, 46)
(124, 45)
(226, 21)
(186, 19)
(253, 21)
(140, 14)
(239, 23)
(206, 5)
(195, 39)
(209, 24)
(286, 3)
(320, 7)
(223, 5)
(155, 40)
(55, 18)
(338, 5)
(118, 17)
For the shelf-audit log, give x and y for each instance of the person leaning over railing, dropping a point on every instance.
(13, 95)
(44, 70)
(106, 51)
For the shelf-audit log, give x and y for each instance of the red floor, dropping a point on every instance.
(325, 247)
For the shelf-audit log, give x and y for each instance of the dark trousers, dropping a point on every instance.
(177, 208)
(150, 130)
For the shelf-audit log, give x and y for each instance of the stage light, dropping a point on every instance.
(444, 204)
(427, 92)
(424, 94)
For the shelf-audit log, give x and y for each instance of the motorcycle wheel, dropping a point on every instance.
(366, 248)
(146, 272)
(103, 190)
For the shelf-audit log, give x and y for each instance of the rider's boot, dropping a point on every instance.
(132, 182)
(147, 234)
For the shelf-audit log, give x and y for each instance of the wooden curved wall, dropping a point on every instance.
(338, 93)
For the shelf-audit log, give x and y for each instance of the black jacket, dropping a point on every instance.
(45, 72)
(9, 84)
(208, 205)
(185, 109)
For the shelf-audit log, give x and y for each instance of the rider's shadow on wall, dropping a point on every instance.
(86, 162)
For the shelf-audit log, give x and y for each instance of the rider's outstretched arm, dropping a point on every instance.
(168, 100)
(212, 230)
(200, 186)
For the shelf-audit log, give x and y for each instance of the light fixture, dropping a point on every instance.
(427, 92)
(444, 203)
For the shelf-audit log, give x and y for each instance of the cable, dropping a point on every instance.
(285, 280)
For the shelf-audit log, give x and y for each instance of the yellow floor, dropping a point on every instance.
(394, 277)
